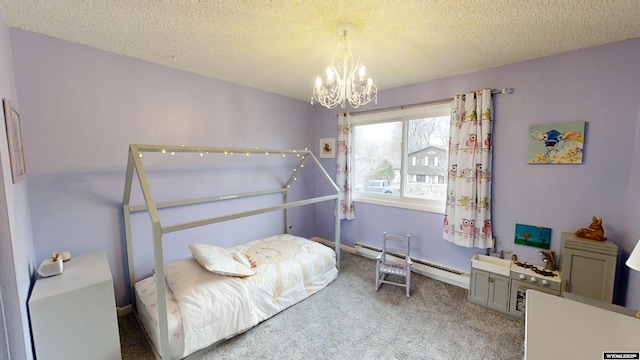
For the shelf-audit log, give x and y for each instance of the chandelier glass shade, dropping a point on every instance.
(346, 81)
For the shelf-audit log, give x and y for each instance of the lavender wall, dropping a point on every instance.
(599, 85)
(83, 107)
(17, 261)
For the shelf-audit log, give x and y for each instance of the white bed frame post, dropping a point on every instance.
(135, 156)
(287, 221)
(337, 233)
(135, 164)
(336, 204)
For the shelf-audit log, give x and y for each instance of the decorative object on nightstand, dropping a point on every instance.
(52, 266)
(634, 262)
(594, 232)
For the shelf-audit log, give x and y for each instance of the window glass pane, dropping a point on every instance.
(399, 157)
(427, 137)
(377, 158)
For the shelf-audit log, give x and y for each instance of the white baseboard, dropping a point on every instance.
(438, 272)
(124, 310)
(331, 244)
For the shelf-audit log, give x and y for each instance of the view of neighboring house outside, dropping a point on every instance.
(427, 172)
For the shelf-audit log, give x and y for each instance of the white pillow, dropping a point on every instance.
(218, 260)
(242, 259)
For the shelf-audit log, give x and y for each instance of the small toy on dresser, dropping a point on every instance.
(594, 232)
(53, 265)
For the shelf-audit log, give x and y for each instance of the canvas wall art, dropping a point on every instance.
(560, 143)
(536, 236)
(14, 138)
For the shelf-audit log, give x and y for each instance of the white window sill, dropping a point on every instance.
(401, 202)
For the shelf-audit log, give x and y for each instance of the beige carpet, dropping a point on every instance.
(350, 320)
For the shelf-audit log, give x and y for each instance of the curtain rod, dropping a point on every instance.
(430, 102)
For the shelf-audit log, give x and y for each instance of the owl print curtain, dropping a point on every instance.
(343, 171)
(467, 218)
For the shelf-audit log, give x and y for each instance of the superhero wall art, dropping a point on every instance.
(560, 143)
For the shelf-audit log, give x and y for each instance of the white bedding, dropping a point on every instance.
(147, 312)
(213, 307)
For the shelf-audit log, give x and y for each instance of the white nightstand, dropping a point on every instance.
(73, 315)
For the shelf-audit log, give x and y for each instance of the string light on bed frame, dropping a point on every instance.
(206, 151)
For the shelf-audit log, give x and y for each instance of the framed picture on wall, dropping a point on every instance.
(14, 138)
(559, 143)
(327, 148)
(536, 236)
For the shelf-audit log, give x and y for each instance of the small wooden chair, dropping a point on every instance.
(394, 246)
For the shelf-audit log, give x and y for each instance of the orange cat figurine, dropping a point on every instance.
(594, 232)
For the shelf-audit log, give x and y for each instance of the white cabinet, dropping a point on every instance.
(558, 328)
(73, 315)
(490, 290)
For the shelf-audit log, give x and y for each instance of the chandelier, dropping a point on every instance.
(346, 81)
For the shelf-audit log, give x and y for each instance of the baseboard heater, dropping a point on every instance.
(420, 266)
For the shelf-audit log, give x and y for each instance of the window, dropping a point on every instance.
(399, 157)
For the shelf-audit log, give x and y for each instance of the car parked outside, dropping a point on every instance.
(380, 186)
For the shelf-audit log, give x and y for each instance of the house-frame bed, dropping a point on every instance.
(135, 166)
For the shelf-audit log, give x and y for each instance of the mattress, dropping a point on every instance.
(289, 270)
(147, 312)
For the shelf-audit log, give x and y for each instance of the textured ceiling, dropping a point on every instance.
(280, 46)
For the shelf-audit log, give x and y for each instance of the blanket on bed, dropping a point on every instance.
(212, 306)
(216, 307)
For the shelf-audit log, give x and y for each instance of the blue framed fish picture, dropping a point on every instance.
(536, 236)
(560, 143)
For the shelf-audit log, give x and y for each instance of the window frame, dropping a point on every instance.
(404, 116)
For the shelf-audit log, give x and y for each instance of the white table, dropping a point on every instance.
(73, 315)
(559, 328)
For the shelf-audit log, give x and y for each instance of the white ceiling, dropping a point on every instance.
(281, 46)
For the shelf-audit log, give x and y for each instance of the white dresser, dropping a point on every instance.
(559, 328)
(73, 315)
